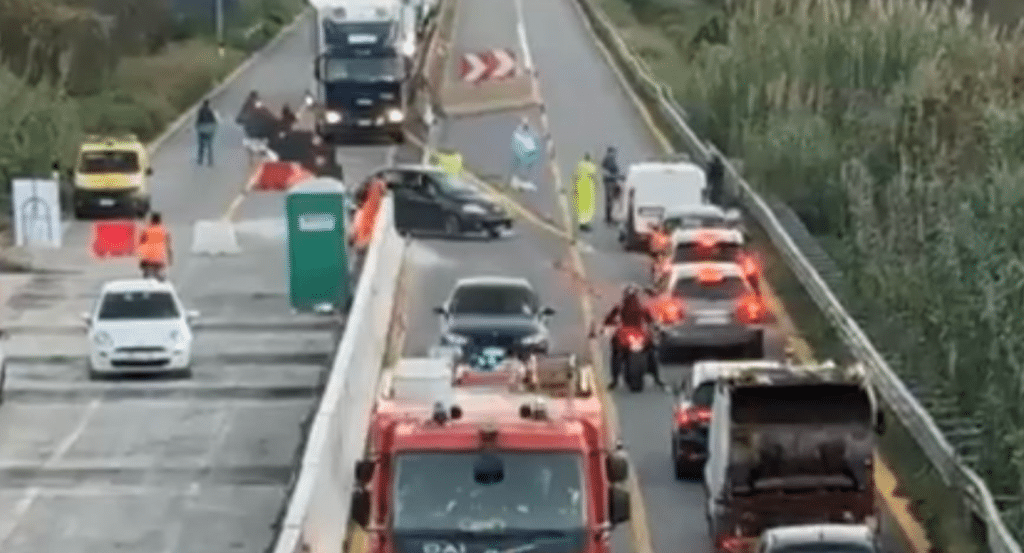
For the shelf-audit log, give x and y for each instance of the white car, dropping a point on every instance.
(139, 326)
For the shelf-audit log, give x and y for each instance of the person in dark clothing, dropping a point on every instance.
(612, 190)
(631, 312)
(206, 126)
(716, 180)
(288, 118)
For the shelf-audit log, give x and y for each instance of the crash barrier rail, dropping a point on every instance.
(317, 515)
(898, 397)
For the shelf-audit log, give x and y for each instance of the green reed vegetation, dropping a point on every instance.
(69, 67)
(895, 129)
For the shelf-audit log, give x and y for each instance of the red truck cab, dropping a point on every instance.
(490, 474)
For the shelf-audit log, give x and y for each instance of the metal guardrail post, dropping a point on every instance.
(906, 407)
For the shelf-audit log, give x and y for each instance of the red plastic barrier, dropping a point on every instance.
(113, 238)
(278, 176)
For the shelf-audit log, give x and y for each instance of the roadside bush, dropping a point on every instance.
(895, 128)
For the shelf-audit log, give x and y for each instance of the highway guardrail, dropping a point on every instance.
(316, 519)
(896, 395)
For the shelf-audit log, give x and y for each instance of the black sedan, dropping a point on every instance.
(495, 312)
(429, 201)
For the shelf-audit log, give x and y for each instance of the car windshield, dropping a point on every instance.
(726, 289)
(138, 305)
(361, 69)
(703, 394)
(493, 300)
(825, 547)
(448, 183)
(693, 220)
(693, 252)
(488, 492)
(109, 161)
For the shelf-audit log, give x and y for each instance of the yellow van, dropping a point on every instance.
(111, 175)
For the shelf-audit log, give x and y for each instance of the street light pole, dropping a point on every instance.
(219, 8)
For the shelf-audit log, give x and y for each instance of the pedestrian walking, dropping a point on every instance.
(206, 127)
(525, 153)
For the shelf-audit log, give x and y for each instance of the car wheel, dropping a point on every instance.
(452, 226)
(183, 373)
(398, 137)
(96, 376)
(754, 349)
(493, 232)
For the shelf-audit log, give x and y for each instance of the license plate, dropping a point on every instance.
(365, 122)
(106, 202)
(712, 319)
(651, 211)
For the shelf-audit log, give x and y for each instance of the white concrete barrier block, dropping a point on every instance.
(214, 238)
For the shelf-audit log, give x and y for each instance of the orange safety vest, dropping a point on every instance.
(153, 245)
(660, 242)
(366, 217)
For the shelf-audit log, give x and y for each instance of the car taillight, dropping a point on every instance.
(750, 310)
(692, 416)
(748, 265)
(670, 310)
(733, 544)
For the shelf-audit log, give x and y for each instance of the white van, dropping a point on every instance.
(651, 187)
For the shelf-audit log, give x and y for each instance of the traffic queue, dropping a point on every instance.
(491, 443)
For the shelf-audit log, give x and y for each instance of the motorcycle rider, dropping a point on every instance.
(612, 191)
(631, 312)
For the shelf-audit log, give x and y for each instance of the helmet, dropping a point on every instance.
(630, 290)
(611, 149)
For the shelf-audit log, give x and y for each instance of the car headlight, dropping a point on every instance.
(178, 339)
(409, 48)
(474, 209)
(332, 117)
(395, 115)
(455, 339)
(533, 339)
(102, 339)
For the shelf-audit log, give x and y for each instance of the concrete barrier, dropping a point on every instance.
(317, 515)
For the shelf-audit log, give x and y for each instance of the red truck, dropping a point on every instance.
(486, 471)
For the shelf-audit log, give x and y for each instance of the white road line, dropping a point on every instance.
(523, 42)
(23, 506)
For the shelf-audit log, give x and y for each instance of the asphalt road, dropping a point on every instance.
(587, 110)
(170, 466)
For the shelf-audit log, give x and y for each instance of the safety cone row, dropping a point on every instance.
(114, 238)
(278, 176)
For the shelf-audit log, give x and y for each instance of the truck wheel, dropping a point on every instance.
(754, 348)
(142, 209)
(636, 365)
(683, 469)
(398, 137)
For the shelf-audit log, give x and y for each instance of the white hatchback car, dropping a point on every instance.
(139, 326)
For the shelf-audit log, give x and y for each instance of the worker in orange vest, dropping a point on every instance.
(154, 249)
(366, 217)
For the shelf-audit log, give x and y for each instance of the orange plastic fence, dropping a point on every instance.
(113, 238)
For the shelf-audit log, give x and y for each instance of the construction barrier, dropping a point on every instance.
(114, 238)
(278, 175)
(214, 238)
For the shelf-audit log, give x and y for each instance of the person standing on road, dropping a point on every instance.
(206, 127)
(610, 170)
(584, 180)
(525, 152)
(716, 180)
(154, 249)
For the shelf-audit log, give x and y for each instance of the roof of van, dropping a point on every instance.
(95, 143)
(679, 167)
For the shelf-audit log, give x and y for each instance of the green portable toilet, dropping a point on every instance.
(319, 270)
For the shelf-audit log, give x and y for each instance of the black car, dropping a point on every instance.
(427, 200)
(495, 312)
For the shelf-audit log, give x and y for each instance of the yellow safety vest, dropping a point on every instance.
(586, 191)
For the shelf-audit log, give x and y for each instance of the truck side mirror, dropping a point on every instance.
(316, 69)
(364, 471)
(880, 422)
(617, 467)
(360, 508)
(618, 505)
(440, 310)
(547, 312)
(149, 170)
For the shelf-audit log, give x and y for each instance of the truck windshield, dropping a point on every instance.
(537, 492)
(109, 161)
(692, 252)
(373, 69)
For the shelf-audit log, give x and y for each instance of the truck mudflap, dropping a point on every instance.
(746, 517)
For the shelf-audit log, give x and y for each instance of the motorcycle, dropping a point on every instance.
(634, 357)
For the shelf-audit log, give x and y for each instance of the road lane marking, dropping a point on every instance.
(24, 505)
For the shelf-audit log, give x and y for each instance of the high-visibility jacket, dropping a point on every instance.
(153, 244)
(660, 242)
(366, 217)
(585, 181)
